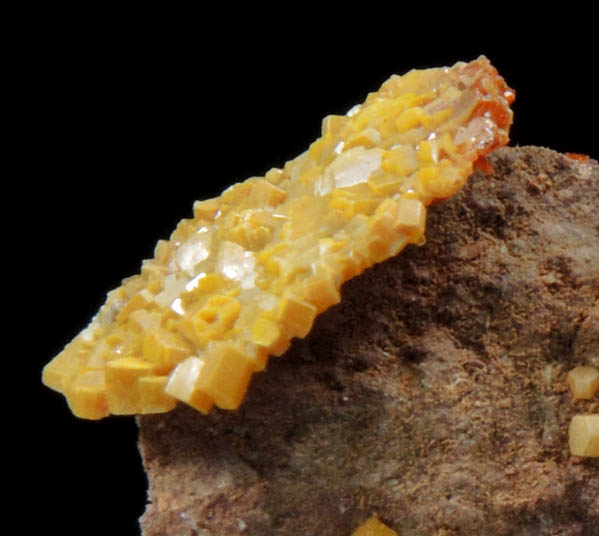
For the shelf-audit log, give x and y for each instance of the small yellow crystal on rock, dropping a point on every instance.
(253, 267)
(373, 527)
(584, 435)
(583, 381)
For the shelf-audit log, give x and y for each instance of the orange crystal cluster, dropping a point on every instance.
(583, 433)
(253, 267)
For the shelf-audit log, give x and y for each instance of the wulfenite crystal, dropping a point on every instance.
(253, 267)
(373, 527)
(583, 382)
(583, 435)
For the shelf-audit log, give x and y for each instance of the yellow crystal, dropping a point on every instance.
(153, 398)
(374, 527)
(584, 435)
(122, 384)
(583, 382)
(87, 394)
(253, 267)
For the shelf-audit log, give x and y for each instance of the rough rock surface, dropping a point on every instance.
(434, 394)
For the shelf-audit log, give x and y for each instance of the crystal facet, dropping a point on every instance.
(374, 527)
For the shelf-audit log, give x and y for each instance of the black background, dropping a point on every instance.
(126, 122)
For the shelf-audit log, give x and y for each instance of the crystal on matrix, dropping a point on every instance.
(254, 267)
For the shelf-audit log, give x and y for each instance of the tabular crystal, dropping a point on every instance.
(584, 435)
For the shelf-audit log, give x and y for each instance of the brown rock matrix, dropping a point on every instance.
(435, 394)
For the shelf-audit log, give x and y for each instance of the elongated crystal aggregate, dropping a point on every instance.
(255, 266)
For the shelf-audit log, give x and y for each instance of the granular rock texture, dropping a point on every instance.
(433, 395)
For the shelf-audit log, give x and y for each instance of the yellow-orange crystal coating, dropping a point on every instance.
(253, 268)
(373, 527)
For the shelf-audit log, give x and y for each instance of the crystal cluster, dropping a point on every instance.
(583, 434)
(253, 267)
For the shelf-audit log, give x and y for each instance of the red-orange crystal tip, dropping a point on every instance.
(578, 156)
(483, 165)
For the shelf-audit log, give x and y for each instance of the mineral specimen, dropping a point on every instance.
(254, 267)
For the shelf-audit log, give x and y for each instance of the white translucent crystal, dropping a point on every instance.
(324, 185)
(264, 300)
(354, 110)
(108, 312)
(172, 289)
(298, 166)
(479, 128)
(354, 166)
(146, 321)
(182, 380)
(177, 306)
(89, 332)
(97, 357)
(373, 135)
(236, 263)
(193, 283)
(195, 250)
